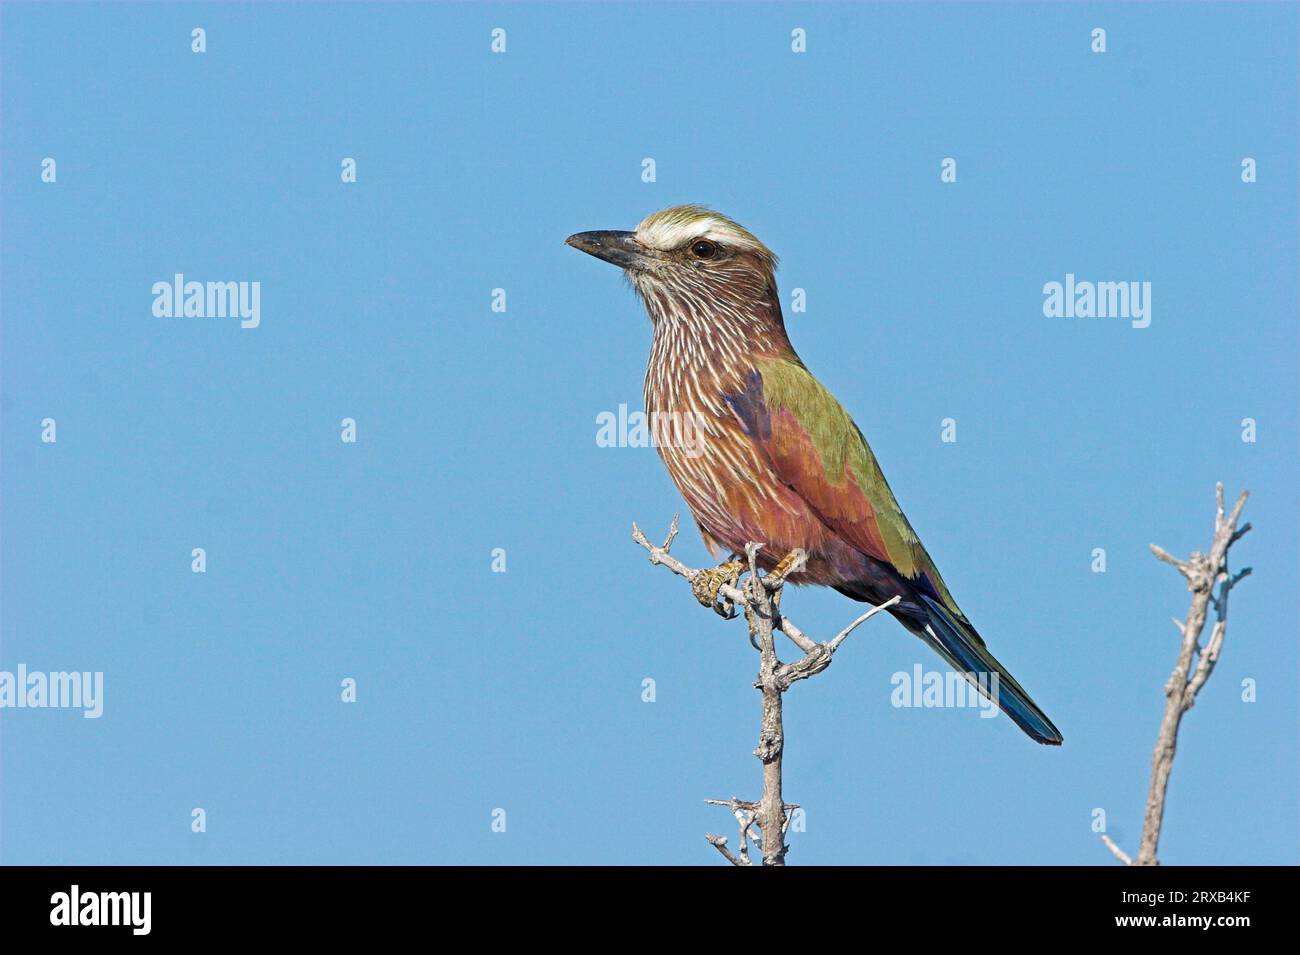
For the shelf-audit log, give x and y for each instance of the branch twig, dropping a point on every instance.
(1119, 853)
(1203, 573)
(760, 595)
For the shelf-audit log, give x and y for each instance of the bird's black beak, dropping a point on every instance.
(619, 248)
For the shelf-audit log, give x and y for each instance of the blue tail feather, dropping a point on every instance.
(959, 644)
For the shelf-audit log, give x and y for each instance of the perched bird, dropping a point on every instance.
(779, 460)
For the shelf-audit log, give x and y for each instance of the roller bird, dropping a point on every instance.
(778, 461)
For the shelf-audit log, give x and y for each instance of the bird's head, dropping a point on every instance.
(685, 254)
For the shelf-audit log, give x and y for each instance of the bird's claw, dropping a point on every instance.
(707, 584)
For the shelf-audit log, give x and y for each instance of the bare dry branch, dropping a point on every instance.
(843, 634)
(801, 640)
(745, 818)
(660, 555)
(1119, 853)
(720, 843)
(1169, 558)
(760, 595)
(1203, 572)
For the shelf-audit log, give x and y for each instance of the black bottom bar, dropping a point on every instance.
(368, 903)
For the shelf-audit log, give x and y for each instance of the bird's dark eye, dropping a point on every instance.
(704, 249)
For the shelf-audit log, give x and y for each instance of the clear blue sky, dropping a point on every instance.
(476, 430)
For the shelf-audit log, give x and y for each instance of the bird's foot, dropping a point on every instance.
(787, 562)
(790, 563)
(707, 584)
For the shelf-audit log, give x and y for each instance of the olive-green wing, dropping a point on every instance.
(814, 448)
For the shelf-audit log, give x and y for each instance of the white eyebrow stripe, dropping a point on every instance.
(678, 226)
(665, 236)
